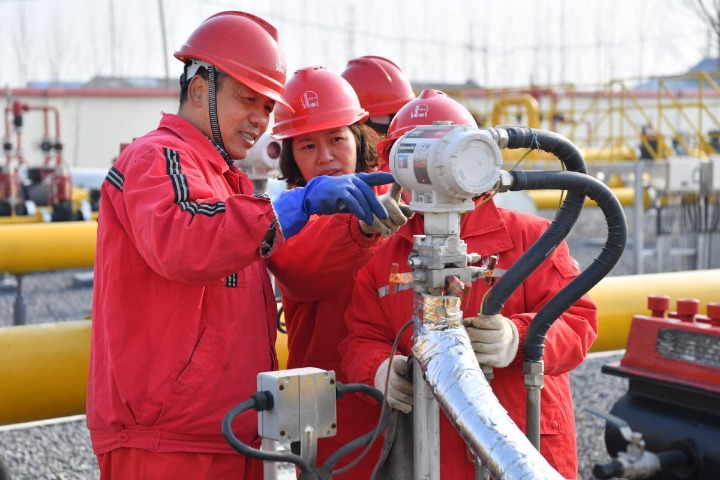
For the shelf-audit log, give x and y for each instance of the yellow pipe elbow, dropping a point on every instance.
(532, 109)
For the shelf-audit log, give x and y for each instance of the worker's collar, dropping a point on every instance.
(223, 153)
(191, 135)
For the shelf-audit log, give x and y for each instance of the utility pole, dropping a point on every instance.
(113, 45)
(471, 51)
(351, 32)
(163, 34)
(563, 44)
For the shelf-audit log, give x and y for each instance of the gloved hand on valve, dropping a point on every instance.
(398, 214)
(494, 339)
(328, 195)
(399, 389)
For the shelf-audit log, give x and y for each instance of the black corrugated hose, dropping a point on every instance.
(569, 155)
(582, 184)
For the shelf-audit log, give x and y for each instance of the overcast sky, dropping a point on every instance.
(494, 43)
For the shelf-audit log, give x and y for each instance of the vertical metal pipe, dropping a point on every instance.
(308, 445)
(19, 310)
(426, 429)
(269, 468)
(639, 209)
(533, 416)
(426, 412)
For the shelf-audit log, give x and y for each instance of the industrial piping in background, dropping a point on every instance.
(44, 347)
(23, 188)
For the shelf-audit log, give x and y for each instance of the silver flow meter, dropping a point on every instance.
(445, 166)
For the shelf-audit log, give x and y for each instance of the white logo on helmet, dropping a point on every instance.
(309, 99)
(420, 111)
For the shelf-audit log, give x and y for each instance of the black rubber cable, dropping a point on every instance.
(533, 346)
(569, 155)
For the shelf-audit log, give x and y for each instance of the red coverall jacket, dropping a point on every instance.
(374, 318)
(183, 309)
(315, 271)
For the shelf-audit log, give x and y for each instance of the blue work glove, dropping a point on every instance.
(328, 195)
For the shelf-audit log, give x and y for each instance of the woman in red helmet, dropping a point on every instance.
(374, 317)
(381, 87)
(183, 309)
(315, 270)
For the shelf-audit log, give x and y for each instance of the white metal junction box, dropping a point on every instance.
(711, 174)
(677, 175)
(303, 398)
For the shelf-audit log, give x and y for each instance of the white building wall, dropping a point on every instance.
(92, 126)
(94, 123)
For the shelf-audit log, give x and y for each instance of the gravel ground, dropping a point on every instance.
(62, 451)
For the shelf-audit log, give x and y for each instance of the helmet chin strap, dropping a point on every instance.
(212, 111)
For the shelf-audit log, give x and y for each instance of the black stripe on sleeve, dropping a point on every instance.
(115, 178)
(178, 180)
(182, 189)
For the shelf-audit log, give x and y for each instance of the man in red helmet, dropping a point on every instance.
(381, 87)
(375, 316)
(183, 310)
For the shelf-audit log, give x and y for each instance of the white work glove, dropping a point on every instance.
(400, 390)
(398, 214)
(494, 339)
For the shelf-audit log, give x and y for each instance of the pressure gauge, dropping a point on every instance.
(455, 161)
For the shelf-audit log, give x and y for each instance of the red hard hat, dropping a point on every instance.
(431, 106)
(320, 100)
(243, 46)
(381, 86)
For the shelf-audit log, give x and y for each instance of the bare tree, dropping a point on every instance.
(709, 12)
(21, 44)
(57, 47)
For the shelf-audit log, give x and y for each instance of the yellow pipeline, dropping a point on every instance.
(21, 219)
(43, 368)
(550, 199)
(619, 298)
(47, 246)
(55, 246)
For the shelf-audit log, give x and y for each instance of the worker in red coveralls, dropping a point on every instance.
(381, 87)
(315, 270)
(375, 316)
(183, 309)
